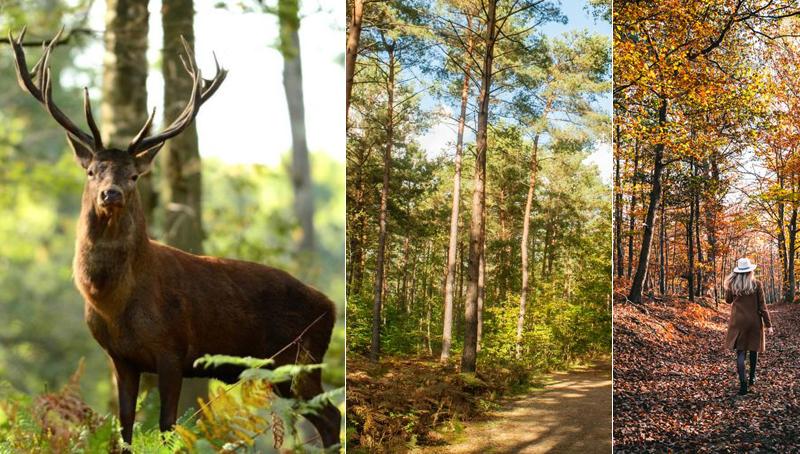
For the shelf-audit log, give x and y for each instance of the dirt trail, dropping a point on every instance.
(571, 414)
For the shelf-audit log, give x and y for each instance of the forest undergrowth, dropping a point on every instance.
(675, 383)
(244, 417)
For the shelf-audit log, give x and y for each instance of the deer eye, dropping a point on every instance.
(90, 173)
(135, 177)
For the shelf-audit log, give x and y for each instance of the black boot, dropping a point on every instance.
(753, 360)
(742, 387)
(752, 378)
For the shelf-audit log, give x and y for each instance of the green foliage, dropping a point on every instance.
(245, 416)
(568, 315)
(249, 362)
(253, 415)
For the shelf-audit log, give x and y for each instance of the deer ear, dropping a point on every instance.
(83, 154)
(144, 160)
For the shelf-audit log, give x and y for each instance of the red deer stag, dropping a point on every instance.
(157, 309)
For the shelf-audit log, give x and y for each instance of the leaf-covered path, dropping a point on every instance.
(571, 414)
(675, 383)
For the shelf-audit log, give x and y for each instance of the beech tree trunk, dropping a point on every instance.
(618, 208)
(662, 234)
(782, 252)
(791, 253)
(632, 210)
(123, 108)
(289, 22)
(635, 294)
(690, 249)
(712, 169)
(697, 241)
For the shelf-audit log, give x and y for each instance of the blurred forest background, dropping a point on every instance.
(479, 218)
(253, 180)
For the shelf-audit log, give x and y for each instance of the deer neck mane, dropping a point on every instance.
(107, 251)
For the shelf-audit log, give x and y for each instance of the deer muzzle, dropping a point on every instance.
(113, 196)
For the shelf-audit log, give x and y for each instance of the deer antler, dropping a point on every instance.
(43, 90)
(202, 89)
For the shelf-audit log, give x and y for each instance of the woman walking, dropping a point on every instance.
(749, 316)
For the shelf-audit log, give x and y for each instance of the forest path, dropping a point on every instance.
(675, 382)
(572, 413)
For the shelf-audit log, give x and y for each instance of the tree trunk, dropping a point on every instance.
(403, 282)
(353, 37)
(698, 243)
(374, 352)
(655, 193)
(358, 273)
(632, 209)
(410, 306)
(618, 207)
(289, 22)
(548, 235)
(477, 228)
(690, 250)
(526, 220)
(711, 224)
(481, 294)
(662, 267)
(791, 253)
(123, 108)
(183, 226)
(447, 322)
(502, 279)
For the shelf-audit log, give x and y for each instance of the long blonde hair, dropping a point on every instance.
(740, 283)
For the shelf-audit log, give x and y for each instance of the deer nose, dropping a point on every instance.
(111, 195)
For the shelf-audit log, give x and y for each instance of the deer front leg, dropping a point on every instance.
(170, 376)
(127, 391)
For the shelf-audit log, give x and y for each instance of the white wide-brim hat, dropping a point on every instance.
(744, 266)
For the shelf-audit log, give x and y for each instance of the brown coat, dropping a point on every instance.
(749, 317)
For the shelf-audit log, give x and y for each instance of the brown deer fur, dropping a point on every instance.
(154, 308)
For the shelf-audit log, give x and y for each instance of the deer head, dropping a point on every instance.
(111, 172)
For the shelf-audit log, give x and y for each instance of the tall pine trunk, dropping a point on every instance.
(447, 323)
(351, 52)
(374, 351)
(477, 228)
(526, 222)
(481, 293)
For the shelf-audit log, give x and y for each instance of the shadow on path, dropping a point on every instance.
(572, 414)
